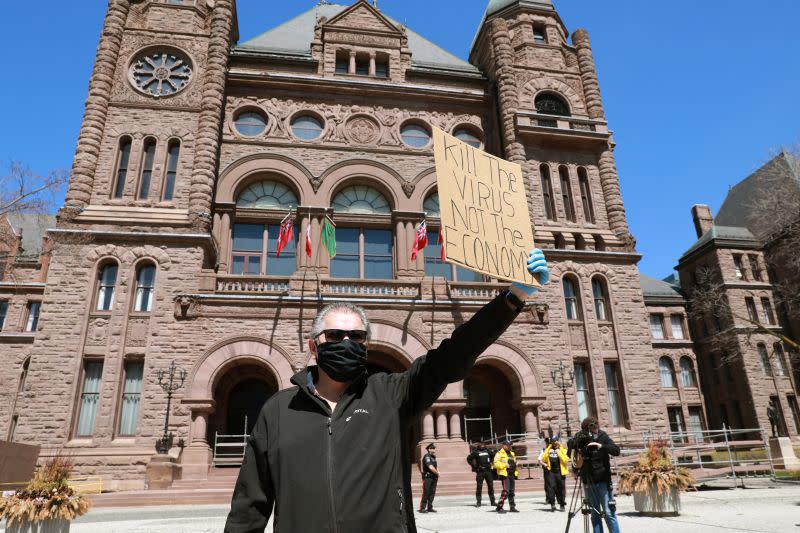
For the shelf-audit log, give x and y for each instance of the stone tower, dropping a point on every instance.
(551, 121)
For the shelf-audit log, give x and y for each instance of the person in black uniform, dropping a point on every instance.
(430, 476)
(481, 462)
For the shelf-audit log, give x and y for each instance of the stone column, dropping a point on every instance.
(199, 427)
(455, 424)
(427, 426)
(441, 424)
(609, 181)
(223, 236)
(591, 87)
(204, 172)
(305, 261)
(372, 63)
(96, 110)
(529, 422)
(351, 69)
(196, 457)
(506, 88)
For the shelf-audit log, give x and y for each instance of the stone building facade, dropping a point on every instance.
(193, 150)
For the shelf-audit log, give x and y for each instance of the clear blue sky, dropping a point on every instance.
(698, 93)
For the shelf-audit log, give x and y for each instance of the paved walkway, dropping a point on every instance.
(767, 509)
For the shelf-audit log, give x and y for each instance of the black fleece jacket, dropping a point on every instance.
(349, 471)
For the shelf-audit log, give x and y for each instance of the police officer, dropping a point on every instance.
(505, 463)
(481, 462)
(430, 476)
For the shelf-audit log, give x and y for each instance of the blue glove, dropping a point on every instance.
(537, 264)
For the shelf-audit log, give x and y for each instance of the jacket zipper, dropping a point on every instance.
(330, 476)
(402, 507)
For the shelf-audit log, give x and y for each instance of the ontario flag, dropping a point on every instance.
(285, 235)
(420, 240)
(441, 242)
(308, 239)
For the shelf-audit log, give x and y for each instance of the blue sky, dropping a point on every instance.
(698, 93)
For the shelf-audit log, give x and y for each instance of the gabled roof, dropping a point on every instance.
(655, 288)
(740, 207)
(33, 228)
(294, 38)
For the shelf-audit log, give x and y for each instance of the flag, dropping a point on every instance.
(420, 241)
(308, 239)
(329, 237)
(441, 242)
(285, 235)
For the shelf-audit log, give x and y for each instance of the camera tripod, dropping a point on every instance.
(580, 502)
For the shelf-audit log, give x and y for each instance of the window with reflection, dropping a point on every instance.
(131, 396)
(687, 373)
(566, 193)
(123, 160)
(254, 250)
(667, 373)
(616, 397)
(676, 322)
(90, 397)
(415, 135)
(250, 123)
(148, 158)
(571, 299)
(173, 154)
(583, 390)
(431, 205)
(547, 192)
(360, 199)
(106, 283)
(600, 293)
(306, 127)
(363, 253)
(469, 136)
(32, 322)
(434, 266)
(145, 287)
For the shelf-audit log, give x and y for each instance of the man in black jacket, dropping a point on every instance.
(349, 428)
(596, 447)
(481, 462)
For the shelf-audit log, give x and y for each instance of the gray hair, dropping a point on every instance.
(345, 307)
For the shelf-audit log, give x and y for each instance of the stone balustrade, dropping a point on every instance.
(252, 284)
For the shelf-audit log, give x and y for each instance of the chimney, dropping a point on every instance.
(701, 214)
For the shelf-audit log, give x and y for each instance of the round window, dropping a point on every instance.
(250, 123)
(415, 135)
(160, 72)
(468, 136)
(306, 127)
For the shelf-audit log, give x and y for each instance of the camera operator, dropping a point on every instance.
(594, 448)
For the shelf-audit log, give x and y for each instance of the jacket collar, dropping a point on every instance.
(306, 378)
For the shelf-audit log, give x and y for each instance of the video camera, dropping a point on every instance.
(584, 458)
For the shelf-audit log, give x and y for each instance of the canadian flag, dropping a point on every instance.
(308, 239)
(285, 235)
(421, 240)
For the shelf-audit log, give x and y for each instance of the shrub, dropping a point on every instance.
(655, 468)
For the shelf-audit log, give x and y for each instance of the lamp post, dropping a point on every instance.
(563, 379)
(168, 381)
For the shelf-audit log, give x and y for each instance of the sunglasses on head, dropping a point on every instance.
(338, 335)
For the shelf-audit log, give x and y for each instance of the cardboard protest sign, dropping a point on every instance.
(484, 210)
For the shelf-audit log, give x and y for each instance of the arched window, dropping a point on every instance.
(173, 155)
(571, 299)
(599, 243)
(586, 195)
(566, 193)
(551, 104)
(667, 372)
(148, 158)
(415, 135)
(360, 199)
(23, 378)
(267, 194)
(687, 373)
(431, 205)
(547, 192)
(145, 287)
(600, 293)
(123, 159)
(777, 355)
(306, 127)
(106, 284)
(250, 123)
(580, 242)
(468, 135)
(764, 358)
(560, 242)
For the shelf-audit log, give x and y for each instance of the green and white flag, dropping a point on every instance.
(329, 237)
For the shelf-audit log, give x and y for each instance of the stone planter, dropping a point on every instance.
(651, 503)
(57, 525)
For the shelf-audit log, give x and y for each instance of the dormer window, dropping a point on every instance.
(342, 62)
(362, 65)
(539, 36)
(382, 65)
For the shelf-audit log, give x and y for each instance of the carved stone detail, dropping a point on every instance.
(98, 332)
(607, 338)
(363, 130)
(138, 329)
(408, 188)
(577, 336)
(186, 307)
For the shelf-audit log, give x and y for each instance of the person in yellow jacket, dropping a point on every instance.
(556, 464)
(505, 464)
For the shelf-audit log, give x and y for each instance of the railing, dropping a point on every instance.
(229, 449)
(561, 123)
(472, 290)
(252, 284)
(371, 288)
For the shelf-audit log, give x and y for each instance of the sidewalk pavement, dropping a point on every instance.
(770, 508)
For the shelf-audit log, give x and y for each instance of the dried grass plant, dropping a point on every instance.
(655, 468)
(48, 496)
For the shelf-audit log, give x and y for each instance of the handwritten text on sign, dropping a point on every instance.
(484, 210)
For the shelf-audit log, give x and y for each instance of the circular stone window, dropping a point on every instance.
(160, 72)
(306, 127)
(250, 123)
(415, 135)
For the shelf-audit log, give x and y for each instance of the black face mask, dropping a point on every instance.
(343, 361)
